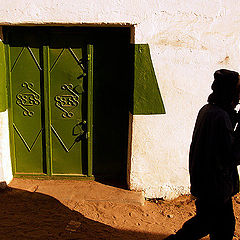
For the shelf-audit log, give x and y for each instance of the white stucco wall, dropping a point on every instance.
(5, 161)
(189, 40)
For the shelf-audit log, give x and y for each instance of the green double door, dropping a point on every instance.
(50, 83)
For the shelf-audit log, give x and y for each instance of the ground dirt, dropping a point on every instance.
(33, 215)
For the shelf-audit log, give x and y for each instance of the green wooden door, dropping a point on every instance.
(25, 75)
(50, 102)
(68, 123)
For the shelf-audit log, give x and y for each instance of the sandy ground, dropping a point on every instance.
(32, 215)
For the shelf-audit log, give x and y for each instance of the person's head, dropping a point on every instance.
(226, 88)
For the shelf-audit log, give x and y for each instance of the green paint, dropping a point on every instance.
(55, 177)
(48, 143)
(3, 88)
(146, 94)
(28, 127)
(48, 101)
(10, 113)
(67, 100)
(90, 108)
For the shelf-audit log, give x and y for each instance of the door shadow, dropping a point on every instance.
(31, 215)
(112, 181)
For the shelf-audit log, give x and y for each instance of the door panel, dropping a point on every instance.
(25, 71)
(66, 99)
(49, 100)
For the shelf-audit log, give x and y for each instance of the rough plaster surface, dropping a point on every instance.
(189, 40)
(187, 45)
(5, 161)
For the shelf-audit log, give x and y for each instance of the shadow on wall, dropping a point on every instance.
(31, 215)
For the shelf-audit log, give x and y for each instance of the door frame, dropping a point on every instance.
(47, 133)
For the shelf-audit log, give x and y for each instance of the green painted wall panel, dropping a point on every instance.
(146, 94)
(3, 89)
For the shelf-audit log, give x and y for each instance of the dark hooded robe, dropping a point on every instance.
(212, 165)
(212, 159)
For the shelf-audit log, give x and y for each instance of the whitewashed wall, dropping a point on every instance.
(189, 40)
(5, 161)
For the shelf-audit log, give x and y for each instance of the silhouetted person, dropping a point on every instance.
(213, 159)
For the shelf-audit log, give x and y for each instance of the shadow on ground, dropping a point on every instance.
(114, 182)
(30, 215)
